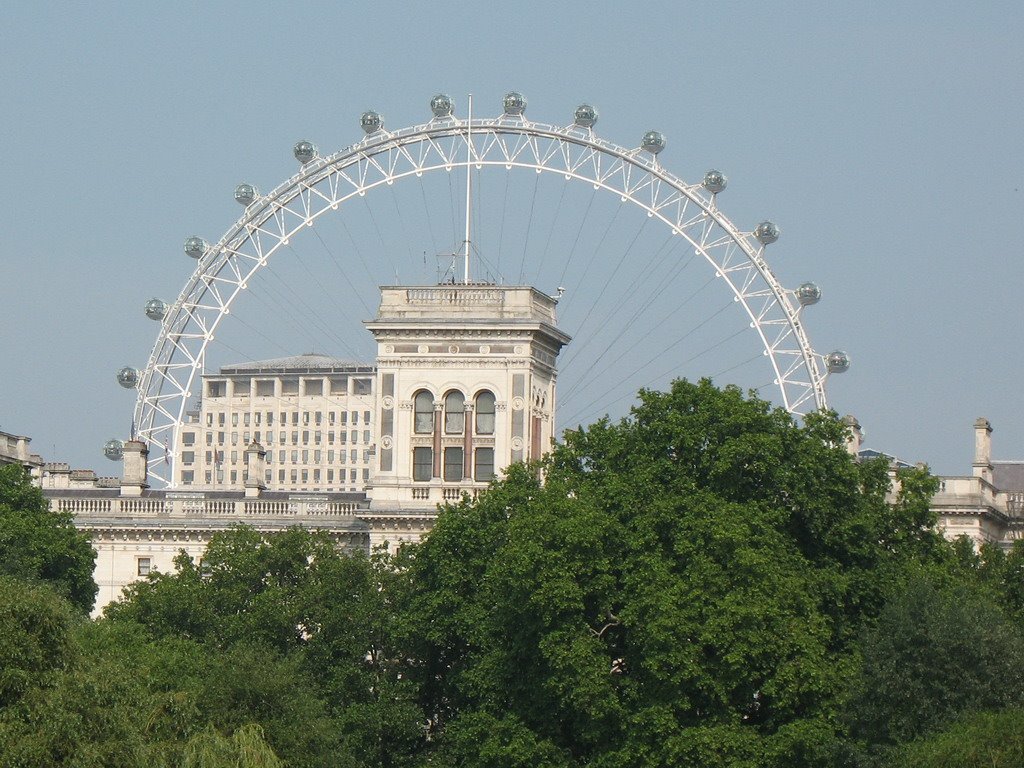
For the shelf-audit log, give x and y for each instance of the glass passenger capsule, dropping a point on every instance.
(246, 194)
(653, 142)
(371, 122)
(156, 309)
(442, 105)
(714, 181)
(766, 233)
(114, 449)
(837, 362)
(514, 103)
(807, 294)
(195, 246)
(585, 116)
(128, 377)
(304, 151)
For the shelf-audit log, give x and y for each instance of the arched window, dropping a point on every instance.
(485, 413)
(423, 405)
(454, 413)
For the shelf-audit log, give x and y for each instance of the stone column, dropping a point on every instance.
(255, 468)
(134, 479)
(855, 438)
(983, 449)
(467, 443)
(437, 439)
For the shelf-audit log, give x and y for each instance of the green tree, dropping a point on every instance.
(684, 587)
(936, 653)
(982, 740)
(37, 544)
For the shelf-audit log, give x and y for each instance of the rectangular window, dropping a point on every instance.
(216, 388)
(305, 457)
(353, 456)
(330, 418)
(245, 419)
(280, 476)
(361, 386)
(268, 476)
(317, 457)
(295, 457)
(209, 438)
(188, 457)
(484, 465)
(355, 418)
(234, 419)
(257, 418)
(316, 437)
(256, 437)
(366, 417)
(220, 419)
(330, 475)
(282, 456)
(234, 438)
(209, 457)
(352, 477)
(295, 419)
(270, 418)
(220, 438)
(330, 438)
(422, 464)
(318, 418)
(344, 417)
(209, 477)
(188, 477)
(366, 435)
(316, 475)
(452, 465)
(289, 386)
(330, 457)
(209, 419)
(270, 437)
(305, 475)
(305, 418)
(234, 477)
(305, 437)
(366, 475)
(265, 388)
(143, 565)
(234, 457)
(188, 438)
(295, 437)
(245, 437)
(295, 476)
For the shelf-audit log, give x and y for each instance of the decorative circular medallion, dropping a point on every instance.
(485, 349)
(388, 401)
(386, 443)
(389, 349)
(453, 348)
(519, 349)
(517, 443)
(517, 403)
(422, 349)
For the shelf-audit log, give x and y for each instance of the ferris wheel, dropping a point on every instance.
(686, 213)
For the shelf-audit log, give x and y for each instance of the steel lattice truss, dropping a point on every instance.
(326, 183)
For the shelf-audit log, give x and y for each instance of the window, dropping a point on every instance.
(209, 457)
(305, 457)
(454, 413)
(355, 417)
(295, 419)
(423, 406)
(305, 418)
(270, 418)
(295, 437)
(257, 417)
(318, 418)
(220, 438)
(366, 417)
(245, 419)
(281, 456)
(245, 438)
(330, 475)
(188, 438)
(268, 476)
(422, 464)
(209, 438)
(366, 435)
(366, 475)
(209, 477)
(316, 475)
(143, 565)
(352, 477)
(330, 457)
(234, 477)
(234, 419)
(188, 457)
(188, 477)
(452, 465)
(485, 413)
(209, 419)
(295, 457)
(344, 417)
(220, 419)
(305, 475)
(330, 437)
(280, 476)
(317, 457)
(305, 437)
(234, 438)
(330, 418)
(484, 465)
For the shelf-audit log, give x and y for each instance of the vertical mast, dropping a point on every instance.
(469, 188)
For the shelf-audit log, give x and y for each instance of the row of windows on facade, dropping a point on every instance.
(297, 457)
(291, 386)
(452, 465)
(256, 418)
(454, 407)
(188, 439)
(294, 477)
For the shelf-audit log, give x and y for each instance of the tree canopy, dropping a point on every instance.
(37, 544)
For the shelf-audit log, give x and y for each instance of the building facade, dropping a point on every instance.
(312, 413)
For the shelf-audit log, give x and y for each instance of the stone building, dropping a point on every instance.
(464, 385)
(14, 450)
(312, 413)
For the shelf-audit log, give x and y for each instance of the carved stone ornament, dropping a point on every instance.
(388, 402)
(517, 403)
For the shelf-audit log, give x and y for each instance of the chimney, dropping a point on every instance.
(255, 467)
(983, 449)
(855, 437)
(136, 455)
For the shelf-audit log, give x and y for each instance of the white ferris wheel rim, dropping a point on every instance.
(383, 157)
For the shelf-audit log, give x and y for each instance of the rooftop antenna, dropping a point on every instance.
(469, 188)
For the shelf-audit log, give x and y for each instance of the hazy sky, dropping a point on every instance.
(885, 139)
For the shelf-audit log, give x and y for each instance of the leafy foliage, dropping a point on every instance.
(39, 545)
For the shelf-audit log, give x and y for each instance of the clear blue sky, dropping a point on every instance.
(884, 138)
